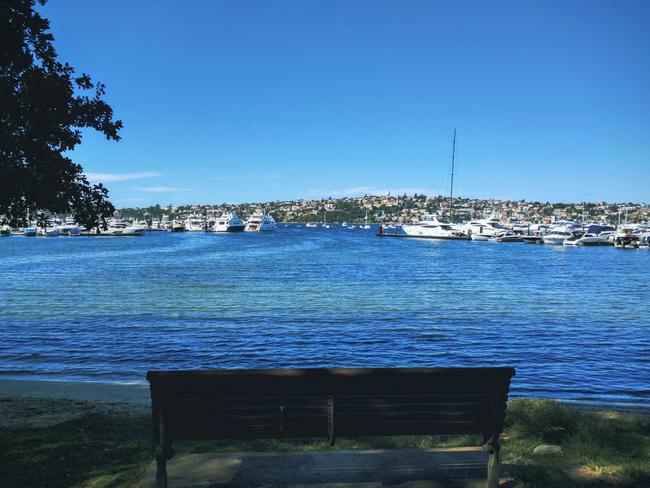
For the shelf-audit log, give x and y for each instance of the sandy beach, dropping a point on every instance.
(78, 390)
(27, 403)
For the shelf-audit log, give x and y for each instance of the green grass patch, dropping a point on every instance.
(113, 449)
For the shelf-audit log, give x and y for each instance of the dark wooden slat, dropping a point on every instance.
(279, 397)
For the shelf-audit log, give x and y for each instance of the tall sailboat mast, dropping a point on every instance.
(451, 191)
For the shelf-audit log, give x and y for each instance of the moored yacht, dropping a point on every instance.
(178, 227)
(506, 236)
(438, 228)
(50, 232)
(560, 232)
(596, 235)
(556, 238)
(484, 227)
(229, 222)
(69, 229)
(625, 238)
(430, 226)
(260, 221)
(121, 229)
(194, 224)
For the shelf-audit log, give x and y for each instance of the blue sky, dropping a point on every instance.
(256, 101)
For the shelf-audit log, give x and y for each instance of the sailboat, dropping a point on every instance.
(325, 224)
(366, 225)
(437, 227)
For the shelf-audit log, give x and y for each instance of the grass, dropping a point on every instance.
(601, 449)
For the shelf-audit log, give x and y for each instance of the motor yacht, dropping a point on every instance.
(69, 229)
(122, 229)
(532, 239)
(596, 235)
(30, 231)
(556, 238)
(178, 227)
(560, 231)
(194, 224)
(506, 236)
(484, 227)
(260, 222)
(644, 241)
(229, 222)
(624, 238)
(432, 227)
(50, 232)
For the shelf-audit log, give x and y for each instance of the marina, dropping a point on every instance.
(562, 233)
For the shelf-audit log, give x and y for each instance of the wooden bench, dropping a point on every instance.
(307, 403)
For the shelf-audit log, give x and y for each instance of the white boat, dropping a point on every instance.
(69, 229)
(122, 229)
(484, 227)
(229, 222)
(560, 231)
(366, 226)
(5, 231)
(325, 225)
(30, 232)
(194, 224)
(480, 237)
(311, 225)
(624, 238)
(506, 236)
(430, 226)
(596, 235)
(51, 232)
(644, 242)
(556, 238)
(260, 222)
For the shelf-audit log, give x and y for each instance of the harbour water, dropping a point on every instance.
(575, 322)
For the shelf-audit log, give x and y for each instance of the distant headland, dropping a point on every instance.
(405, 208)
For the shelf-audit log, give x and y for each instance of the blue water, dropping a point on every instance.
(575, 322)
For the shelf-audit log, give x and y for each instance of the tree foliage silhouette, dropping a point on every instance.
(44, 106)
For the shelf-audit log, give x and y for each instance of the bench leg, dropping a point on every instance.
(493, 464)
(161, 468)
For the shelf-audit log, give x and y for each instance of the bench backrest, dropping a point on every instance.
(248, 404)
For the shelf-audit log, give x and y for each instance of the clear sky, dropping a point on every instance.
(253, 101)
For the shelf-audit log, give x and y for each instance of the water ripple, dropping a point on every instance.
(574, 322)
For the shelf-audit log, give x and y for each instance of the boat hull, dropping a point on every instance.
(434, 232)
(554, 240)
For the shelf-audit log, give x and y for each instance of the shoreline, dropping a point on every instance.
(137, 394)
